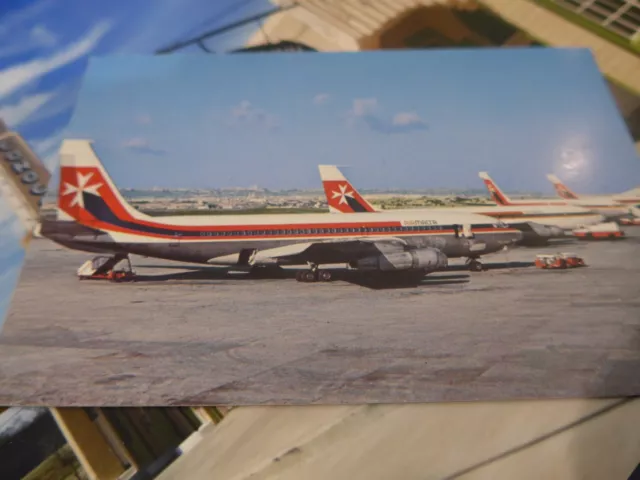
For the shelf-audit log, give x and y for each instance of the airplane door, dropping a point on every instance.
(466, 231)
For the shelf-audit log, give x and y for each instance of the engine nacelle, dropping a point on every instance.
(428, 259)
(548, 231)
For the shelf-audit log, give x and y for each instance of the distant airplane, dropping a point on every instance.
(94, 217)
(538, 224)
(630, 197)
(608, 208)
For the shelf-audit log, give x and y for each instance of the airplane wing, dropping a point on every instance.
(329, 251)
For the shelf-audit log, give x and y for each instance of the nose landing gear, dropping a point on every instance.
(475, 265)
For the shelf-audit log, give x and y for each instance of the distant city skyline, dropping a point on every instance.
(394, 120)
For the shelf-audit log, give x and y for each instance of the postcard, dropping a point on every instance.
(307, 228)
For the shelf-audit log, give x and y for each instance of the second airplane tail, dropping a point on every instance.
(561, 189)
(497, 195)
(341, 195)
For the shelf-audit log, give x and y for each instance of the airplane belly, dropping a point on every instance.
(198, 251)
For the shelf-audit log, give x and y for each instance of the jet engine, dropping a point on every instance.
(534, 234)
(427, 259)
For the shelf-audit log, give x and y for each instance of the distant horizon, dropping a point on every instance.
(403, 119)
(318, 190)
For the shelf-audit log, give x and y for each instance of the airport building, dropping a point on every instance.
(136, 443)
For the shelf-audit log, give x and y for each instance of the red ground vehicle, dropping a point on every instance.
(559, 261)
(104, 268)
(572, 260)
(550, 261)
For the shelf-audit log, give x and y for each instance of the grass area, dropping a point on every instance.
(589, 25)
(249, 211)
(62, 465)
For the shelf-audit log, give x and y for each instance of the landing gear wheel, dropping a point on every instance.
(299, 275)
(475, 266)
(310, 276)
(324, 276)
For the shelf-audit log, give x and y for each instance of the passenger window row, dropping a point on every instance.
(315, 231)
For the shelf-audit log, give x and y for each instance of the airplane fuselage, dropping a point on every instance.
(230, 248)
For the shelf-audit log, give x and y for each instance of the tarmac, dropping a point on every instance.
(185, 335)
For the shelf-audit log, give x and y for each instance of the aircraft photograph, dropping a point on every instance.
(306, 228)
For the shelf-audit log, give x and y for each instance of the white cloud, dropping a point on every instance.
(13, 78)
(242, 110)
(321, 98)
(42, 36)
(141, 145)
(136, 142)
(246, 113)
(17, 18)
(47, 145)
(406, 118)
(18, 113)
(63, 101)
(21, 31)
(366, 111)
(47, 149)
(364, 106)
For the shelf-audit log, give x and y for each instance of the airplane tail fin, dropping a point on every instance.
(342, 197)
(86, 192)
(633, 191)
(561, 189)
(23, 179)
(496, 194)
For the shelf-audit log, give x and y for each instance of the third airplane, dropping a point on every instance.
(630, 197)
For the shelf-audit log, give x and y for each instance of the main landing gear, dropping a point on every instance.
(314, 274)
(475, 265)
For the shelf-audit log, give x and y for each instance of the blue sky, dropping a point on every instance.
(398, 119)
(44, 48)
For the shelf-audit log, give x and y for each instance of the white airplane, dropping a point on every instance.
(630, 197)
(606, 207)
(93, 216)
(538, 224)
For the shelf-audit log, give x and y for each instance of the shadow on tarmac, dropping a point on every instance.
(367, 280)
